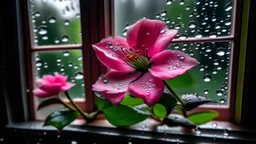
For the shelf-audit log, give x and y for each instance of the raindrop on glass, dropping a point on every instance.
(222, 101)
(163, 13)
(206, 91)
(79, 75)
(182, 2)
(64, 39)
(125, 32)
(66, 53)
(58, 60)
(52, 20)
(225, 132)
(220, 51)
(70, 64)
(45, 37)
(39, 63)
(66, 22)
(37, 14)
(57, 41)
(42, 30)
(228, 7)
(182, 36)
(219, 92)
(197, 130)
(198, 35)
(207, 78)
(79, 58)
(192, 25)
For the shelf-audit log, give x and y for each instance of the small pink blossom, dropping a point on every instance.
(139, 64)
(51, 85)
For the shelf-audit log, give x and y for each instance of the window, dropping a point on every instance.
(206, 31)
(61, 37)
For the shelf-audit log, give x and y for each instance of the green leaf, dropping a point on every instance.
(61, 118)
(202, 117)
(122, 115)
(168, 101)
(178, 120)
(49, 102)
(131, 101)
(159, 110)
(182, 81)
(193, 101)
(103, 103)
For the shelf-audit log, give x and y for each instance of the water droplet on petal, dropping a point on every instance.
(79, 75)
(162, 31)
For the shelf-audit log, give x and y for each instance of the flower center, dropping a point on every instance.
(135, 59)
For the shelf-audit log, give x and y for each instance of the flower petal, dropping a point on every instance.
(114, 98)
(67, 86)
(52, 89)
(110, 54)
(153, 34)
(114, 82)
(170, 64)
(40, 93)
(49, 78)
(60, 78)
(148, 87)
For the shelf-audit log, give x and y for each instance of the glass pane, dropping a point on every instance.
(193, 18)
(56, 22)
(211, 75)
(64, 62)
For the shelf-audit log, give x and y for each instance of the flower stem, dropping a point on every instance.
(76, 106)
(67, 105)
(174, 94)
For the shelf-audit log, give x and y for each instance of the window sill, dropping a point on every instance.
(145, 132)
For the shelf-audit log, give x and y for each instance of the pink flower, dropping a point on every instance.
(140, 63)
(51, 85)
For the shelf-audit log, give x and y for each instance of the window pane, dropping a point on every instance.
(55, 22)
(64, 62)
(193, 18)
(211, 75)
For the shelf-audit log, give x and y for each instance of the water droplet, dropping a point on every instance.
(148, 33)
(58, 136)
(182, 2)
(168, 2)
(228, 7)
(64, 39)
(198, 35)
(187, 8)
(192, 25)
(214, 125)
(66, 22)
(70, 64)
(213, 35)
(37, 14)
(121, 84)
(197, 130)
(75, 67)
(143, 126)
(225, 132)
(52, 20)
(42, 30)
(206, 91)
(57, 41)
(163, 13)
(125, 32)
(73, 142)
(220, 51)
(45, 37)
(219, 92)
(214, 72)
(216, 63)
(105, 81)
(201, 69)
(182, 58)
(79, 75)
(39, 63)
(182, 36)
(222, 101)
(207, 78)
(227, 22)
(157, 15)
(162, 31)
(65, 53)
(58, 59)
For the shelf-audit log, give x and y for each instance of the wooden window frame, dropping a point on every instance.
(97, 22)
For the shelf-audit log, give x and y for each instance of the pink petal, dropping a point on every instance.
(170, 64)
(114, 82)
(153, 34)
(52, 89)
(60, 78)
(49, 78)
(114, 98)
(40, 82)
(110, 54)
(40, 93)
(148, 87)
(67, 86)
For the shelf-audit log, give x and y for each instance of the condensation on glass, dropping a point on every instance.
(193, 18)
(210, 78)
(68, 63)
(55, 22)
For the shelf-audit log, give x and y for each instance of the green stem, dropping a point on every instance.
(76, 106)
(67, 105)
(174, 94)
